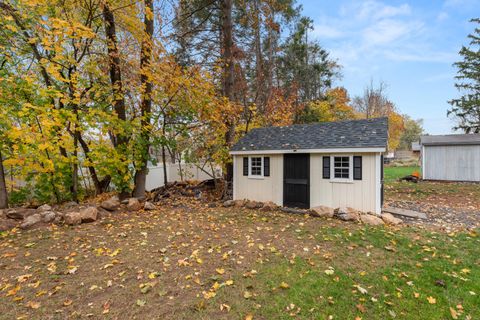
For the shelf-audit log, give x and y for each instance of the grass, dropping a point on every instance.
(392, 174)
(454, 194)
(198, 262)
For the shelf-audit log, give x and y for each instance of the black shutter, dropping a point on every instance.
(266, 166)
(326, 167)
(245, 166)
(357, 168)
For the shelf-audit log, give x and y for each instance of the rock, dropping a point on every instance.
(73, 218)
(111, 204)
(347, 214)
(253, 205)
(149, 206)
(133, 204)
(388, 218)
(323, 211)
(228, 203)
(31, 220)
(2, 214)
(58, 220)
(240, 203)
(212, 205)
(7, 224)
(20, 213)
(294, 210)
(70, 204)
(48, 216)
(269, 206)
(44, 207)
(371, 220)
(89, 214)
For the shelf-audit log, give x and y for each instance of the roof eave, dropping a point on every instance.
(323, 150)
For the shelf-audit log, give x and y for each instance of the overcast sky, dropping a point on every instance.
(410, 45)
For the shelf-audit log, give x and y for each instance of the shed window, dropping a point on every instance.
(341, 167)
(256, 165)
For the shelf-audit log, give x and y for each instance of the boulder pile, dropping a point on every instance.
(71, 213)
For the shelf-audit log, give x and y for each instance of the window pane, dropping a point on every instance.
(256, 166)
(341, 166)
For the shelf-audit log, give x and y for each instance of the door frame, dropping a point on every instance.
(307, 155)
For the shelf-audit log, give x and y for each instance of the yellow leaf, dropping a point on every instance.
(220, 270)
(284, 285)
(249, 317)
(453, 313)
(247, 294)
(33, 304)
(431, 300)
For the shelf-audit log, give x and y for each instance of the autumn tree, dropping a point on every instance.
(466, 109)
(413, 131)
(375, 103)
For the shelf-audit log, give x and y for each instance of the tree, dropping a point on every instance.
(466, 109)
(334, 106)
(375, 103)
(3, 185)
(413, 131)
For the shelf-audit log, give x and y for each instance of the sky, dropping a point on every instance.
(409, 45)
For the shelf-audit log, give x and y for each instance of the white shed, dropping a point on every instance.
(334, 164)
(454, 157)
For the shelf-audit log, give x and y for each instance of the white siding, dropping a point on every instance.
(189, 172)
(265, 189)
(358, 194)
(456, 163)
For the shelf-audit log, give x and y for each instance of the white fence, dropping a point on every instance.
(188, 172)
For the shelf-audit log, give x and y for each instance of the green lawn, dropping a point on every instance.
(395, 173)
(377, 274)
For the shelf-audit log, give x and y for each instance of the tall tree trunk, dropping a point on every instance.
(119, 140)
(145, 60)
(228, 75)
(3, 186)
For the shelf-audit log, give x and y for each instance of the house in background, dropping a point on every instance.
(334, 164)
(454, 157)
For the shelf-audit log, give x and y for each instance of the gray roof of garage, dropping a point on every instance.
(450, 139)
(365, 133)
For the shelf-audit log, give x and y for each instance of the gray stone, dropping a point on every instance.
(73, 218)
(347, 214)
(371, 220)
(269, 206)
(31, 220)
(133, 204)
(44, 207)
(111, 204)
(7, 224)
(390, 219)
(253, 205)
(228, 203)
(323, 211)
(20, 213)
(149, 206)
(48, 216)
(89, 214)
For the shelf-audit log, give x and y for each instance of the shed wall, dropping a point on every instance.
(363, 195)
(358, 194)
(455, 163)
(264, 189)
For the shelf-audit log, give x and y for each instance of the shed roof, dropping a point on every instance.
(365, 133)
(451, 139)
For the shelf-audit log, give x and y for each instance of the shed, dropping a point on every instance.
(454, 157)
(334, 164)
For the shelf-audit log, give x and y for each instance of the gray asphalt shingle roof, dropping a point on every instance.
(450, 139)
(365, 133)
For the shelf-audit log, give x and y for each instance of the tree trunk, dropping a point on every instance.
(119, 141)
(164, 161)
(145, 59)
(3, 186)
(228, 75)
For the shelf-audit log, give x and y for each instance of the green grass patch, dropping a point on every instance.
(377, 274)
(395, 173)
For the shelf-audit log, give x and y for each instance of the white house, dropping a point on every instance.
(335, 164)
(453, 157)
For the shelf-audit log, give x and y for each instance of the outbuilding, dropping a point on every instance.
(454, 157)
(334, 164)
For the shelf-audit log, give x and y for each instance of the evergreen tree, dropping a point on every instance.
(467, 108)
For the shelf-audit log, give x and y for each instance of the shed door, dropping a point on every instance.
(296, 180)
